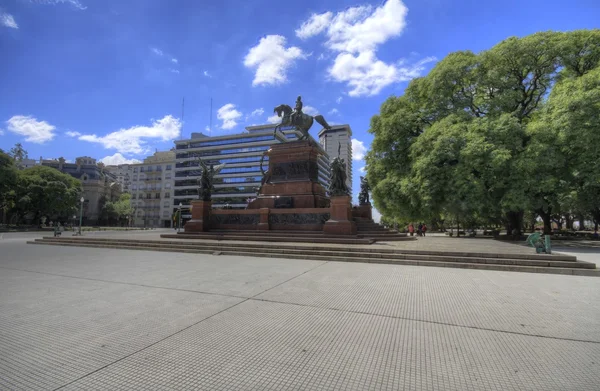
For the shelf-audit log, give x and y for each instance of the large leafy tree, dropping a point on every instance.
(8, 181)
(45, 191)
(18, 153)
(484, 136)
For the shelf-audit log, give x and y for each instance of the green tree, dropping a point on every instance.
(574, 115)
(123, 207)
(18, 153)
(45, 191)
(8, 182)
(489, 137)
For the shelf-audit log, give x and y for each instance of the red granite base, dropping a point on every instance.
(200, 221)
(340, 222)
(363, 212)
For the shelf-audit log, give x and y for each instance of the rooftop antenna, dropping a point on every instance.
(210, 126)
(182, 112)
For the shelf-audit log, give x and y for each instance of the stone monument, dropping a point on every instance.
(290, 196)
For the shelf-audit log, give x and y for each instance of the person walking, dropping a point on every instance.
(424, 229)
(420, 230)
(411, 229)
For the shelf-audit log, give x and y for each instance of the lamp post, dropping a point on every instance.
(179, 223)
(81, 214)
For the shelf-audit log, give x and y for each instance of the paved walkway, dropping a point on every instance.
(104, 319)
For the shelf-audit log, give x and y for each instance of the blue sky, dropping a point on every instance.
(106, 78)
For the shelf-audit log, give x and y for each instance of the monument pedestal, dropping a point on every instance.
(293, 178)
(340, 222)
(363, 211)
(200, 221)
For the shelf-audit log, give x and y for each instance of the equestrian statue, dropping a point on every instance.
(295, 117)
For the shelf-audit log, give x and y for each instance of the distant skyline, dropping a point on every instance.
(106, 79)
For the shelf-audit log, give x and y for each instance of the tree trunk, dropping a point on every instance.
(596, 218)
(569, 221)
(546, 218)
(581, 222)
(514, 222)
(559, 223)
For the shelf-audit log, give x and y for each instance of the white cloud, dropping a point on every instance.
(174, 61)
(360, 29)
(333, 111)
(274, 119)
(358, 150)
(356, 34)
(75, 3)
(257, 112)
(339, 100)
(316, 24)
(73, 134)
(229, 115)
(321, 57)
(363, 169)
(272, 59)
(157, 51)
(367, 76)
(117, 159)
(207, 128)
(8, 20)
(173, 70)
(133, 139)
(310, 110)
(207, 74)
(35, 131)
(1, 132)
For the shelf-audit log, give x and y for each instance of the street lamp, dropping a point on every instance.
(81, 214)
(179, 223)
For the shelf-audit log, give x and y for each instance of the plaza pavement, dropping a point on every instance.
(104, 319)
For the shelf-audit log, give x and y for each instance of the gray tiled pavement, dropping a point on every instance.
(81, 318)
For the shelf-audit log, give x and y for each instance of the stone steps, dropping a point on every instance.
(553, 264)
(271, 237)
(299, 236)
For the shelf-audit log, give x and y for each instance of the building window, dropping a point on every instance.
(157, 196)
(141, 169)
(135, 177)
(158, 168)
(135, 169)
(148, 196)
(167, 186)
(166, 204)
(168, 167)
(167, 195)
(168, 175)
(133, 196)
(134, 187)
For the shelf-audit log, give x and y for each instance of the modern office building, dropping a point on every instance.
(339, 138)
(151, 186)
(237, 182)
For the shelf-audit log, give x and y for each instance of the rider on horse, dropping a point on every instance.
(297, 114)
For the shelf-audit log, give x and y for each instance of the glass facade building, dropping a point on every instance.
(237, 182)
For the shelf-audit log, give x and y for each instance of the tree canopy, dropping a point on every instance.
(493, 136)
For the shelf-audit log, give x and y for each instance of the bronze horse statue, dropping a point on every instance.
(303, 123)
